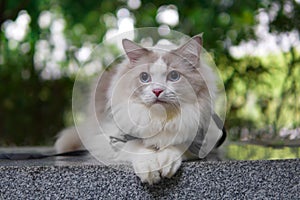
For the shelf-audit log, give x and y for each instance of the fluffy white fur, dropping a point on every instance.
(166, 125)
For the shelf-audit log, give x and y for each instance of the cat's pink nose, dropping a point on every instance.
(157, 91)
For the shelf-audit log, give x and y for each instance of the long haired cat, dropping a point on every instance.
(155, 110)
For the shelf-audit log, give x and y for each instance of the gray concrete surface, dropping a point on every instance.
(84, 178)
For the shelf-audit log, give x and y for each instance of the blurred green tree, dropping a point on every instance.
(43, 42)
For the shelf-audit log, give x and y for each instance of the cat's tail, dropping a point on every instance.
(68, 140)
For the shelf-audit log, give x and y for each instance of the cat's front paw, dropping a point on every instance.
(170, 160)
(147, 169)
(153, 167)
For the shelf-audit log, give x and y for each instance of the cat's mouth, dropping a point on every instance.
(159, 101)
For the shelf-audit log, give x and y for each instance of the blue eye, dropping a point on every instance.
(173, 76)
(145, 77)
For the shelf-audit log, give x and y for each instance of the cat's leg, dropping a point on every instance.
(143, 159)
(151, 164)
(170, 160)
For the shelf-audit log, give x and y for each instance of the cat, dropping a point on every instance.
(155, 109)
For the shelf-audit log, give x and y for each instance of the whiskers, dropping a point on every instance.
(166, 98)
(170, 96)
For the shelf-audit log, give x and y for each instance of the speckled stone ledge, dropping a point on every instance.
(84, 179)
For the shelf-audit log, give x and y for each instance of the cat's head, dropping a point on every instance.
(165, 77)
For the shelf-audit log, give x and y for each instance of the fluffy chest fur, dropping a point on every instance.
(157, 126)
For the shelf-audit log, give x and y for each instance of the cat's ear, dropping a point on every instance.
(191, 50)
(133, 51)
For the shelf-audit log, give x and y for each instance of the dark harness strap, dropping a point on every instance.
(221, 126)
(125, 138)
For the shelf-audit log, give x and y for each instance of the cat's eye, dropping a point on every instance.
(145, 77)
(173, 76)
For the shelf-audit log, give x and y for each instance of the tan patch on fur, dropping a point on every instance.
(101, 90)
(172, 113)
(151, 57)
(190, 72)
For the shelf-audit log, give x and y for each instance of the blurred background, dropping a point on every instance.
(255, 45)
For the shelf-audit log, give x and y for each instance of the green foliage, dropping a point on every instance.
(261, 91)
(256, 152)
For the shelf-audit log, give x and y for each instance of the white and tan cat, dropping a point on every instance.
(155, 110)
